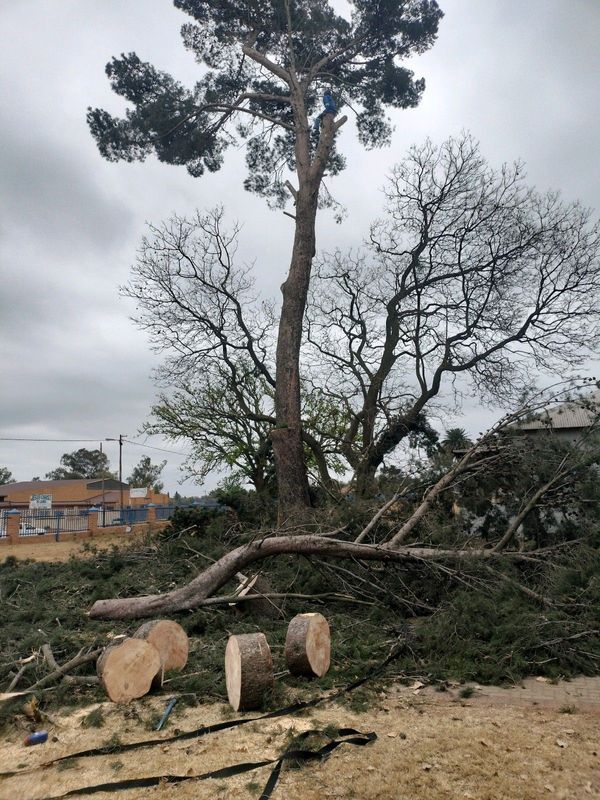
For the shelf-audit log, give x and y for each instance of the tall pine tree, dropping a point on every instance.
(265, 66)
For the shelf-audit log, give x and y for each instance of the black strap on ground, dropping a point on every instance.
(219, 726)
(347, 736)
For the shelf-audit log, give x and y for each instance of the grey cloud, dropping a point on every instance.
(521, 76)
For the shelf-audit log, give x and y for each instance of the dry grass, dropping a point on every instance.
(62, 551)
(428, 748)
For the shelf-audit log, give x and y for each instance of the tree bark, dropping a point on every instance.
(218, 574)
(292, 478)
(308, 645)
(248, 670)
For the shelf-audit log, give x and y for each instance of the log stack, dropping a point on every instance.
(248, 670)
(129, 670)
(308, 645)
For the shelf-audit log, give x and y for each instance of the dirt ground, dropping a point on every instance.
(62, 551)
(430, 746)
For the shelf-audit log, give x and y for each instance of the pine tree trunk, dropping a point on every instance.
(292, 478)
(170, 639)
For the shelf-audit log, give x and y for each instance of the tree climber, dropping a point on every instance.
(330, 108)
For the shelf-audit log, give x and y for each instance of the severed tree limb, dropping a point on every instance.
(17, 677)
(219, 573)
(81, 680)
(77, 661)
(77, 680)
(373, 522)
(525, 589)
(49, 656)
(234, 598)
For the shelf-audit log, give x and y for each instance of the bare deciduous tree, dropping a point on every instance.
(469, 273)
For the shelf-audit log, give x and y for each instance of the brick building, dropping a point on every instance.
(76, 494)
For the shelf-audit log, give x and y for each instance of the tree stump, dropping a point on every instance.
(308, 645)
(126, 670)
(170, 640)
(248, 670)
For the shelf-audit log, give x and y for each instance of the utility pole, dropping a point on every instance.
(121, 469)
(122, 436)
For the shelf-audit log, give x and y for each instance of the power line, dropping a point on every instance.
(97, 439)
(152, 447)
(27, 439)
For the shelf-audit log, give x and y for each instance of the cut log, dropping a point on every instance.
(308, 645)
(170, 640)
(126, 670)
(248, 670)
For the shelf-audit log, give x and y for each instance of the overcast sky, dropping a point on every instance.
(523, 77)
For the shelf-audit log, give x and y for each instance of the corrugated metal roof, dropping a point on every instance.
(578, 413)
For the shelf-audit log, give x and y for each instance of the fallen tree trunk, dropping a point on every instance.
(218, 574)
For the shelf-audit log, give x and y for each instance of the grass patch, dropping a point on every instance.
(95, 719)
(67, 763)
(568, 709)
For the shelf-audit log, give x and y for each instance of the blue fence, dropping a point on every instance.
(125, 516)
(166, 512)
(56, 521)
(38, 522)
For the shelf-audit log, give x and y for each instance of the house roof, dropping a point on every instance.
(576, 414)
(45, 487)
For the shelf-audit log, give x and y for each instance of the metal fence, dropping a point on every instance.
(70, 520)
(125, 516)
(166, 512)
(38, 522)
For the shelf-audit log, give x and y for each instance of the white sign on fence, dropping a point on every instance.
(142, 492)
(40, 501)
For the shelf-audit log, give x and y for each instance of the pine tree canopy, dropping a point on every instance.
(264, 67)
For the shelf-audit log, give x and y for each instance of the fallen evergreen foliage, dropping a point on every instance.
(466, 624)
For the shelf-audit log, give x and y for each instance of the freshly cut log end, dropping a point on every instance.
(308, 645)
(170, 640)
(126, 670)
(248, 670)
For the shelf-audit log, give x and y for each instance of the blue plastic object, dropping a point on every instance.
(39, 737)
(168, 710)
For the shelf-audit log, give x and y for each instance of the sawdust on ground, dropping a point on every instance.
(430, 746)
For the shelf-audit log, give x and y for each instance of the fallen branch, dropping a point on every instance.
(525, 589)
(218, 574)
(81, 680)
(79, 659)
(231, 599)
(17, 678)
(49, 656)
(368, 528)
